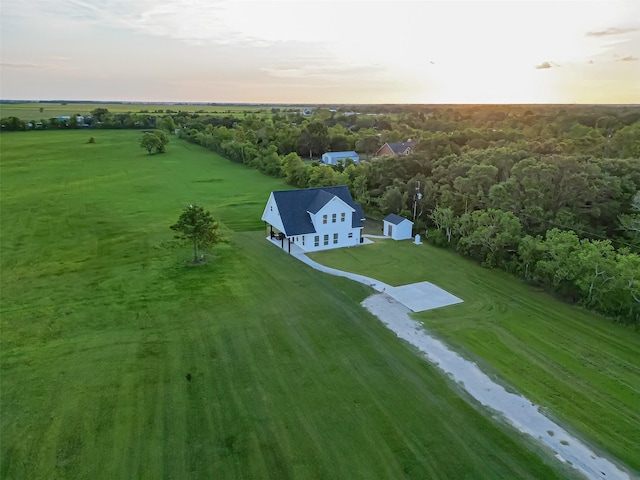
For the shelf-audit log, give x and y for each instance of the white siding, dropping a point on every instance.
(401, 231)
(271, 214)
(342, 229)
(326, 158)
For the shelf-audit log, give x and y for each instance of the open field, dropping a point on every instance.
(583, 369)
(291, 377)
(31, 110)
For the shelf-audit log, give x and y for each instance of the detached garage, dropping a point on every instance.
(397, 227)
(332, 158)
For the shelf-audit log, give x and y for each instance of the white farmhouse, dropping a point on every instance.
(332, 158)
(397, 227)
(314, 218)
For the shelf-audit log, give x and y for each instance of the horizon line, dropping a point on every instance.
(168, 102)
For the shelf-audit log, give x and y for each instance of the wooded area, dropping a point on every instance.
(550, 193)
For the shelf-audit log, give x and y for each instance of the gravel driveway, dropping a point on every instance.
(393, 306)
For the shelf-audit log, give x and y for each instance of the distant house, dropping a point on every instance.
(66, 118)
(397, 227)
(314, 218)
(332, 158)
(398, 148)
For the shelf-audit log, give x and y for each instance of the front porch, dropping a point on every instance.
(287, 245)
(282, 241)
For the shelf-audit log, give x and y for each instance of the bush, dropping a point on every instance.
(437, 237)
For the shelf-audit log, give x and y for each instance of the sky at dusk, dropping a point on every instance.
(306, 51)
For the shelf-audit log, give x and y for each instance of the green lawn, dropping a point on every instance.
(582, 368)
(291, 377)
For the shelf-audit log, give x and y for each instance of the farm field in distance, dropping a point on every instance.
(101, 319)
(580, 367)
(28, 111)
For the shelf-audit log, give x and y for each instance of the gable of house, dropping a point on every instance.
(384, 150)
(396, 148)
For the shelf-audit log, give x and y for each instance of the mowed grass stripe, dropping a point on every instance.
(580, 367)
(291, 377)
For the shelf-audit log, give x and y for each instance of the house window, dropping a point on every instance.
(324, 219)
(350, 235)
(303, 240)
(326, 239)
(335, 238)
(342, 216)
(316, 241)
(271, 208)
(333, 218)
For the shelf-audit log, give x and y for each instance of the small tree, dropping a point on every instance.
(154, 141)
(150, 142)
(198, 226)
(163, 141)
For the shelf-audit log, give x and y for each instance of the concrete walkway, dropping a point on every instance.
(377, 285)
(518, 411)
(417, 297)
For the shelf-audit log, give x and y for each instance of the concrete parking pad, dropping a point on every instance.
(418, 297)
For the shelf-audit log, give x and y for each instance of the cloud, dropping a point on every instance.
(545, 65)
(248, 23)
(612, 31)
(27, 66)
(629, 58)
(325, 72)
(196, 22)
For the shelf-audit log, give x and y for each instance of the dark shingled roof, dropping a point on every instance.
(395, 219)
(294, 206)
(320, 200)
(401, 147)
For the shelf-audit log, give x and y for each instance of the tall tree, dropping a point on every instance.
(368, 144)
(98, 113)
(293, 169)
(493, 237)
(631, 221)
(626, 141)
(198, 226)
(595, 268)
(166, 123)
(393, 200)
(444, 219)
(314, 138)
